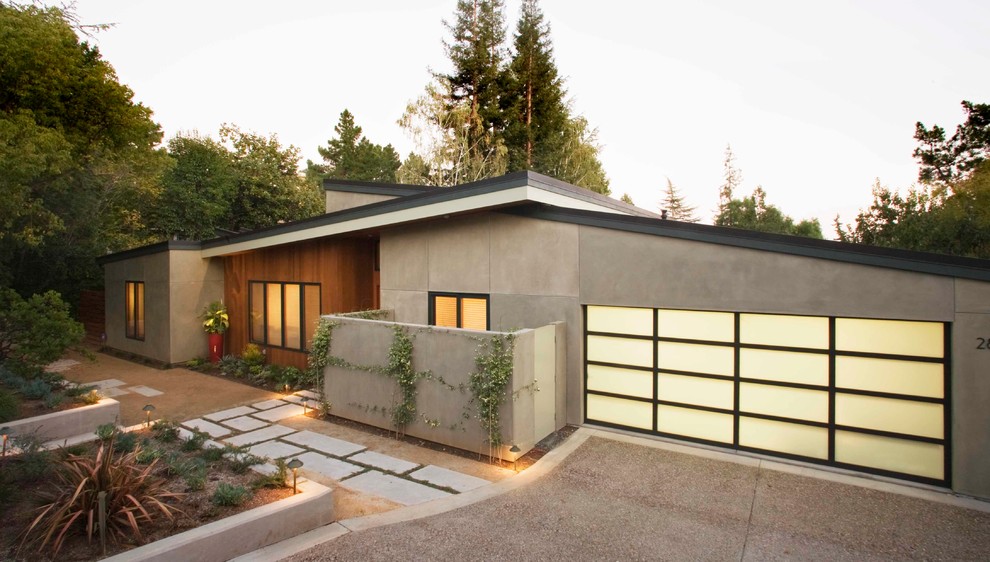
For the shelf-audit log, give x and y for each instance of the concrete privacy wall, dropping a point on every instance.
(341, 200)
(444, 415)
(177, 285)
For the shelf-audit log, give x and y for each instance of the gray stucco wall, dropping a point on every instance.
(537, 272)
(340, 200)
(177, 284)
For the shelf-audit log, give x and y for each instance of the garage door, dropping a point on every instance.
(864, 394)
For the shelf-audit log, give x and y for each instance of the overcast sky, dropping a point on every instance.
(816, 99)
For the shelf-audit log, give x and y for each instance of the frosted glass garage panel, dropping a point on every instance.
(696, 358)
(696, 325)
(887, 453)
(887, 414)
(784, 366)
(620, 350)
(694, 423)
(620, 381)
(887, 375)
(618, 320)
(618, 411)
(696, 391)
(923, 339)
(782, 437)
(786, 331)
(797, 403)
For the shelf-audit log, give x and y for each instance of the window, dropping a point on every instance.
(283, 314)
(134, 309)
(459, 311)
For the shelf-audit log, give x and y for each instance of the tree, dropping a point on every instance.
(79, 155)
(732, 179)
(268, 187)
(477, 52)
(626, 199)
(753, 213)
(536, 114)
(677, 209)
(577, 162)
(353, 157)
(35, 331)
(944, 160)
(197, 191)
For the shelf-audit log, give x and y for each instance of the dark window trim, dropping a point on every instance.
(433, 312)
(832, 389)
(302, 312)
(130, 329)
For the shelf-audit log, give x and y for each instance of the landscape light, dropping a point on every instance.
(5, 431)
(305, 404)
(515, 456)
(147, 410)
(295, 465)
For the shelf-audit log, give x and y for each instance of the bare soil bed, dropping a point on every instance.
(27, 480)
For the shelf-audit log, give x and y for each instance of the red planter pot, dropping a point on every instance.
(216, 347)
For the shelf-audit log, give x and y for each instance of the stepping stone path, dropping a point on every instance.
(350, 464)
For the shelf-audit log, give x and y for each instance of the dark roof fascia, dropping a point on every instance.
(891, 258)
(150, 249)
(372, 188)
(428, 197)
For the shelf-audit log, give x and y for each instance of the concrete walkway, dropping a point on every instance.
(609, 496)
(328, 459)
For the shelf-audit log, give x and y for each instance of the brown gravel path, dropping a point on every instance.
(613, 500)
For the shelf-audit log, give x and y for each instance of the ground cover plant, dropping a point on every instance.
(156, 483)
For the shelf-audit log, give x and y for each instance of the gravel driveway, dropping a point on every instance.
(616, 500)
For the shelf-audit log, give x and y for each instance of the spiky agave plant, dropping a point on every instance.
(134, 497)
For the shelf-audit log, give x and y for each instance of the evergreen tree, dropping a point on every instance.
(732, 179)
(477, 52)
(536, 113)
(350, 156)
(677, 209)
(946, 160)
(626, 199)
(753, 213)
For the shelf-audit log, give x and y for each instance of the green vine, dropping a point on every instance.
(400, 368)
(368, 314)
(319, 358)
(488, 384)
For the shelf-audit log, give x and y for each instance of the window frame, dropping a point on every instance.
(131, 310)
(432, 319)
(281, 294)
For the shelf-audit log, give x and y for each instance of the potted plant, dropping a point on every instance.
(215, 322)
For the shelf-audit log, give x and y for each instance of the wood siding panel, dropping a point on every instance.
(343, 268)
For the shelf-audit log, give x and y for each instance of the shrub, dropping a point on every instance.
(228, 495)
(240, 458)
(211, 454)
(126, 442)
(147, 454)
(253, 355)
(9, 406)
(133, 497)
(36, 389)
(195, 442)
(275, 479)
(89, 398)
(232, 366)
(165, 430)
(35, 331)
(107, 431)
(35, 461)
(54, 400)
(79, 390)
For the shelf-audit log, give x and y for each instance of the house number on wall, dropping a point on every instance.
(984, 343)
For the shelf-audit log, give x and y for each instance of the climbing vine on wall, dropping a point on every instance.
(319, 358)
(400, 368)
(488, 384)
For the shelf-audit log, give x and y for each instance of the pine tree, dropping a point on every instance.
(677, 209)
(536, 112)
(477, 52)
(732, 179)
(350, 156)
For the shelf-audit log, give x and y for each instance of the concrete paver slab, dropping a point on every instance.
(299, 400)
(325, 444)
(112, 392)
(106, 383)
(268, 404)
(439, 476)
(212, 429)
(393, 488)
(280, 413)
(384, 462)
(265, 434)
(60, 365)
(326, 466)
(275, 450)
(230, 413)
(145, 390)
(245, 423)
(308, 394)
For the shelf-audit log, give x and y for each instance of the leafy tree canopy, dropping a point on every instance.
(944, 160)
(350, 156)
(753, 213)
(34, 331)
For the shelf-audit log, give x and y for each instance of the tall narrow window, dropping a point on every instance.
(283, 314)
(134, 309)
(459, 311)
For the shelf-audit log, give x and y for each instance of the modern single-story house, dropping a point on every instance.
(848, 356)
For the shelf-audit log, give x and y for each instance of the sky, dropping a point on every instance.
(817, 99)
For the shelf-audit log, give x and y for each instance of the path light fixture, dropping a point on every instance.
(305, 404)
(515, 456)
(286, 389)
(295, 465)
(148, 408)
(5, 431)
